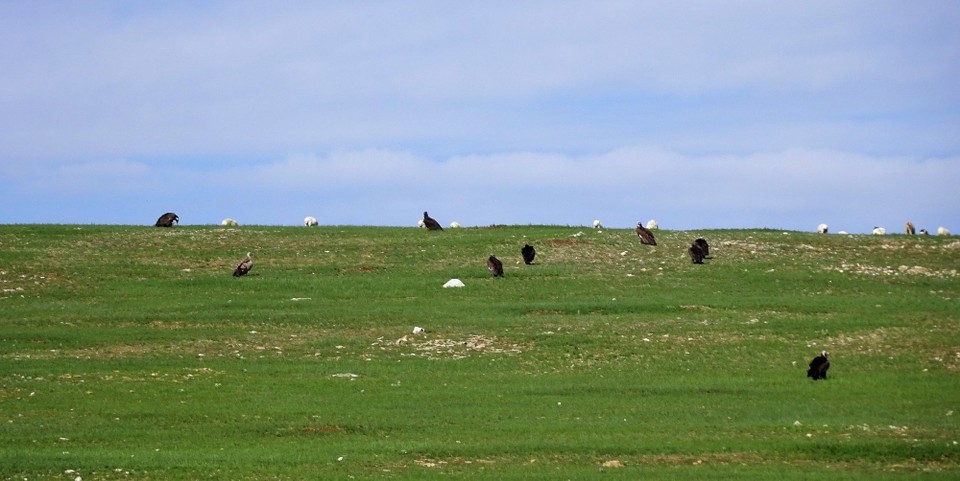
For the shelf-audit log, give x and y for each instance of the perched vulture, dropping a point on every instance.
(495, 266)
(646, 237)
(528, 253)
(819, 366)
(244, 267)
(908, 228)
(696, 253)
(430, 222)
(924, 232)
(703, 246)
(167, 220)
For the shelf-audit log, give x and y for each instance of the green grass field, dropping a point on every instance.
(132, 353)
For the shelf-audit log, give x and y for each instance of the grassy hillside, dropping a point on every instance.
(132, 353)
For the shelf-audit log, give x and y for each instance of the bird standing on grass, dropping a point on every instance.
(703, 246)
(696, 253)
(495, 266)
(167, 220)
(819, 366)
(528, 253)
(244, 267)
(430, 222)
(646, 237)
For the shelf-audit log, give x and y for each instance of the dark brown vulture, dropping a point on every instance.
(528, 253)
(430, 222)
(495, 266)
(909, 228)
(167, 220)
(244, 267)
(696, 253)
(703, 246)
(646, 237)
(819, 366)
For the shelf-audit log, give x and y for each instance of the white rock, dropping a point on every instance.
(453, 283)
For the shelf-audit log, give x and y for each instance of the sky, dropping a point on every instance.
(699, 114)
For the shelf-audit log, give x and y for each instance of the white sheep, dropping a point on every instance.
(228, 222)
(597, 224)
(822, 229)
(942, 231)
(879, 231)
(454, 225)
(310, 221)
(652, 224)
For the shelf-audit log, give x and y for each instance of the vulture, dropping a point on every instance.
(430, 222)
(819, 366)
(696, 253)
(908, 228)
(244, 267)
(528, 253)
(646, 237)
(495, 266)
(703, 246)
(167, 220)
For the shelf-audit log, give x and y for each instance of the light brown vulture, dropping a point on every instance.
(646, 237)
(244, 267)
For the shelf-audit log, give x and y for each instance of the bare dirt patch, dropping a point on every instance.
(448, 348)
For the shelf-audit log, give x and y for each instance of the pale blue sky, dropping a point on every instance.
(704, 114)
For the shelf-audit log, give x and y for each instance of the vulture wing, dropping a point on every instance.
(431, 223)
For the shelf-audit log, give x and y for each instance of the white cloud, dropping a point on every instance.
(795, 189)
(732, 113)
(197, 79)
